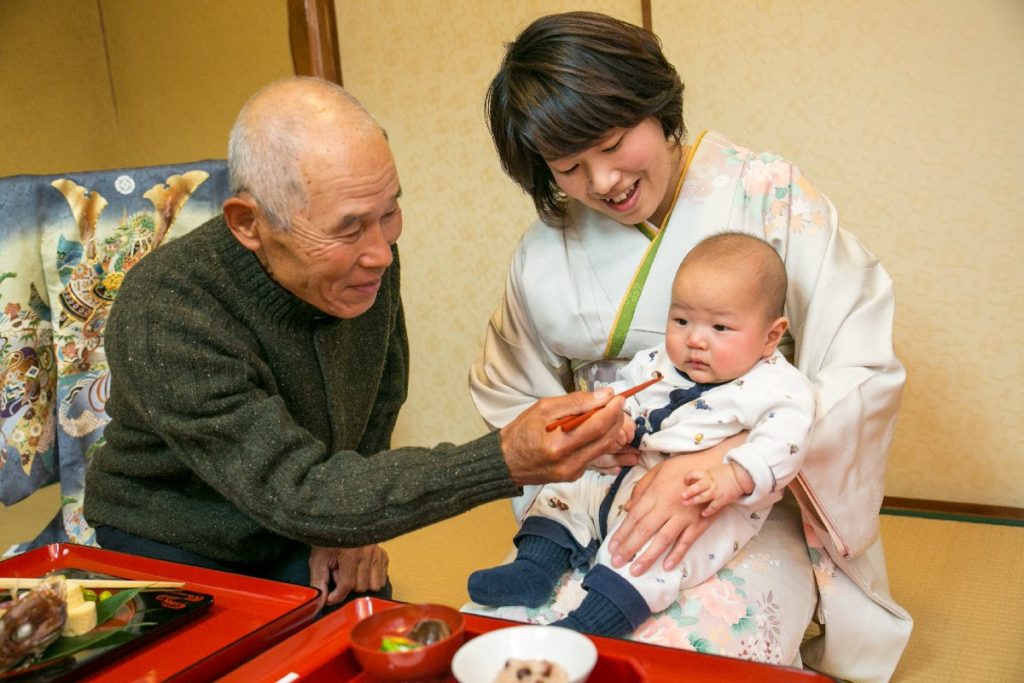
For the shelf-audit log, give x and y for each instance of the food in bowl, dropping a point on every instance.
(532, 671)
(423, 632)
(483, 658)
(405, 644)
(429, 631)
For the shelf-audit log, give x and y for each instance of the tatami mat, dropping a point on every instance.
(432, 564)
(25, 519)
(964, 586)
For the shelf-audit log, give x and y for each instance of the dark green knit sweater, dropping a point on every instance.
(243, 417)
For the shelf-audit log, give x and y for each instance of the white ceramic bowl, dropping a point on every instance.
(482, 658)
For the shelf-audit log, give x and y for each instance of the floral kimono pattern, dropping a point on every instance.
(67, 242)
(561, 297)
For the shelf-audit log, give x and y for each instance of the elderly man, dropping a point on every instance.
(258, 365)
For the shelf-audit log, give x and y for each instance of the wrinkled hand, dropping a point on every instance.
(537, 456)
(354, 570)
(627, 456)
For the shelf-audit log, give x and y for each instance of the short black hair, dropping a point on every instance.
(565, 82)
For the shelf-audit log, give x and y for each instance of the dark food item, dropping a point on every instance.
(532, 671)
(31, 623)
(424, 632)
(429, 631)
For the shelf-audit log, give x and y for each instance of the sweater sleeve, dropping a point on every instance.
(200, 390)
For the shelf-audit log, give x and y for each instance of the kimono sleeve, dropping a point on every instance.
(840, 304)
(516, 367)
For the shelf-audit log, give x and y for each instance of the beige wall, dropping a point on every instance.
(95, 85)
(56, 112)
(907, 114)
(907, 120)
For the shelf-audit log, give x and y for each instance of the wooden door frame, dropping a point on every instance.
(313, 35)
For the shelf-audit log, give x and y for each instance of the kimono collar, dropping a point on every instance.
(627, 307)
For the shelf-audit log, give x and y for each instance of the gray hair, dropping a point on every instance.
(265, 145)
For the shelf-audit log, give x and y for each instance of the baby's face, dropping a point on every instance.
(718, 328)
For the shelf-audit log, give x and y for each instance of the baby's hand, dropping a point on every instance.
(700, 487)
(717, 486)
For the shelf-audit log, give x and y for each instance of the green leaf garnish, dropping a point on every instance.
(105, 609)
(69, 645)
(398, 644)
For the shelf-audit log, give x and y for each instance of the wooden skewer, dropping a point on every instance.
(16, 583)
(571, 422)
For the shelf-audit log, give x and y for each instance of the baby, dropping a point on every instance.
(721, 375)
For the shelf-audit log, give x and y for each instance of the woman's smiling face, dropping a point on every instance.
(628, 175)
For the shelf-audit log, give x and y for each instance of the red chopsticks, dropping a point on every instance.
(571, 422)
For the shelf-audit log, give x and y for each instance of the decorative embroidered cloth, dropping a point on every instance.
(66, 242)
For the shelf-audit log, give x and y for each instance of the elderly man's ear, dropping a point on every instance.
(240, 215)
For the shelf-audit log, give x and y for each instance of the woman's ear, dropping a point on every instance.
(775, 332)
(240, 215)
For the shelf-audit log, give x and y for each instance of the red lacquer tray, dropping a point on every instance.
(322, 652)
(248, 615)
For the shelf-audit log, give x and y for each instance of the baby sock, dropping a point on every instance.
(613, 607)
(527, 580)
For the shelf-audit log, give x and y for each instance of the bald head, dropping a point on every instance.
(738, 252)
(279, 128)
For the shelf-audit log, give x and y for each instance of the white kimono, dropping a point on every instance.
(563, 291)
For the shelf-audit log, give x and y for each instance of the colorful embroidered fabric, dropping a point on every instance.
(748, 609)
(67, 241)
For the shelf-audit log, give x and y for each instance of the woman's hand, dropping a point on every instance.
(354, 570)
(658, 513)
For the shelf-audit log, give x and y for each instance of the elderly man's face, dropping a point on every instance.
(339, 246)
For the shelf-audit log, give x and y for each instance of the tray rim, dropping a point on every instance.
(291, 606)
(90, 666)
(306, 652)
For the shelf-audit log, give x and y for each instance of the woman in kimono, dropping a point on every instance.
(586, 115)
